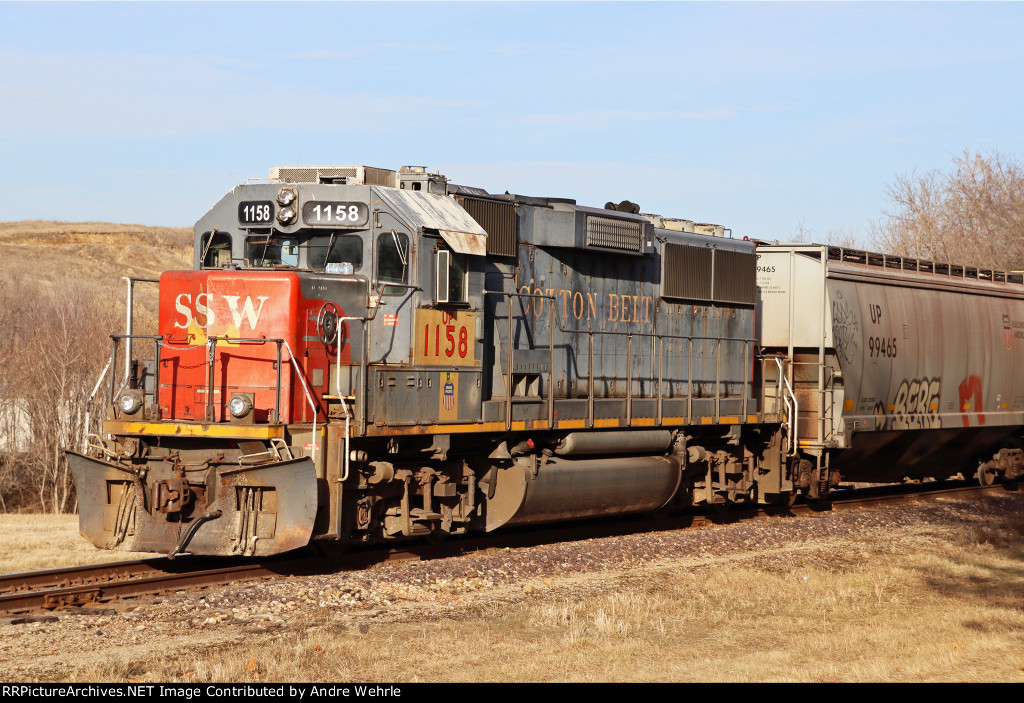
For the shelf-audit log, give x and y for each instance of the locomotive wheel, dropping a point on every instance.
(785, 499)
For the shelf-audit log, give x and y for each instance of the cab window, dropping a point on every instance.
(323, 249)
(457, 278)
(216, 249)
(451, 269)
(393, 261)
(265, 251)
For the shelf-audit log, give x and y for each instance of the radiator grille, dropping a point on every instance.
(498, 218)
(614, 234)
(379, 177)
(325, 174)
(313, 175)
(735, 277)
(686, 272)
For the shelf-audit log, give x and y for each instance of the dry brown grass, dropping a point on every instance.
(35, 542)
(95, 247)
(902, 607)
(93, 253)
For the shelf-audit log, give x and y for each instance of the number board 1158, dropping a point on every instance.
(325, 213)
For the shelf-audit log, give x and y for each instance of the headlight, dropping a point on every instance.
(130, 403)
(286, 215)
(286, 196)
(240, 406)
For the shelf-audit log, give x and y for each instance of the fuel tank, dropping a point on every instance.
(566, 489)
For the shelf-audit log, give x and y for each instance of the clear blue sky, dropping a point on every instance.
(763, 117)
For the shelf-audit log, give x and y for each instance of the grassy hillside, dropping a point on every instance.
(92, 255)
(50, 251)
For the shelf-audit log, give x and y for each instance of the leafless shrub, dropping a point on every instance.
(61, 295)
(802, 233)
(843, 237)
(53, 353)
(973, 214)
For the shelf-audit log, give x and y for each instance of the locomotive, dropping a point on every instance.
(364, 354)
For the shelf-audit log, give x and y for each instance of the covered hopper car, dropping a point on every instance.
(362, 354)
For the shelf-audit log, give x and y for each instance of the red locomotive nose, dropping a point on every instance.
(234, 343)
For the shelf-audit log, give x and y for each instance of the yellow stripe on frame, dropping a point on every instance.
(182, 429)
(229, 431)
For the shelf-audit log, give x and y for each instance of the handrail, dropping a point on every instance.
(792, 408)
(129, 307)
(211, 345)
(309, 397)
(88, 404)
(341, 398)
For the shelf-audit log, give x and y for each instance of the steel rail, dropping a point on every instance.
(131, 582)
(78, 575)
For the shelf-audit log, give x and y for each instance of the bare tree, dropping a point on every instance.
(53, 355)
(802, 233)
(974, 214)
(843, 237)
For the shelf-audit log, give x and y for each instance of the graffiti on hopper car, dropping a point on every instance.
(915, 406)
(971, 401)
(845, 329)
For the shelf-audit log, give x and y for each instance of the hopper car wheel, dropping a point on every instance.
(784, 499)
(985, 476)
(327, 322)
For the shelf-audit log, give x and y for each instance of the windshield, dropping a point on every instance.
(392, 260)
(264, 251)
(323, 249)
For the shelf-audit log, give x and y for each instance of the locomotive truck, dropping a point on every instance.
(363, 354)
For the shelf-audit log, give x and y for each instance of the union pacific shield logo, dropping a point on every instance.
(449, 394)
(448, 407)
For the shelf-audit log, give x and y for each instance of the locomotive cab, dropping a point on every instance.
(221, 441)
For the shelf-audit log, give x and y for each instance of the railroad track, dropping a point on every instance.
(102, 583)
(97, 584)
